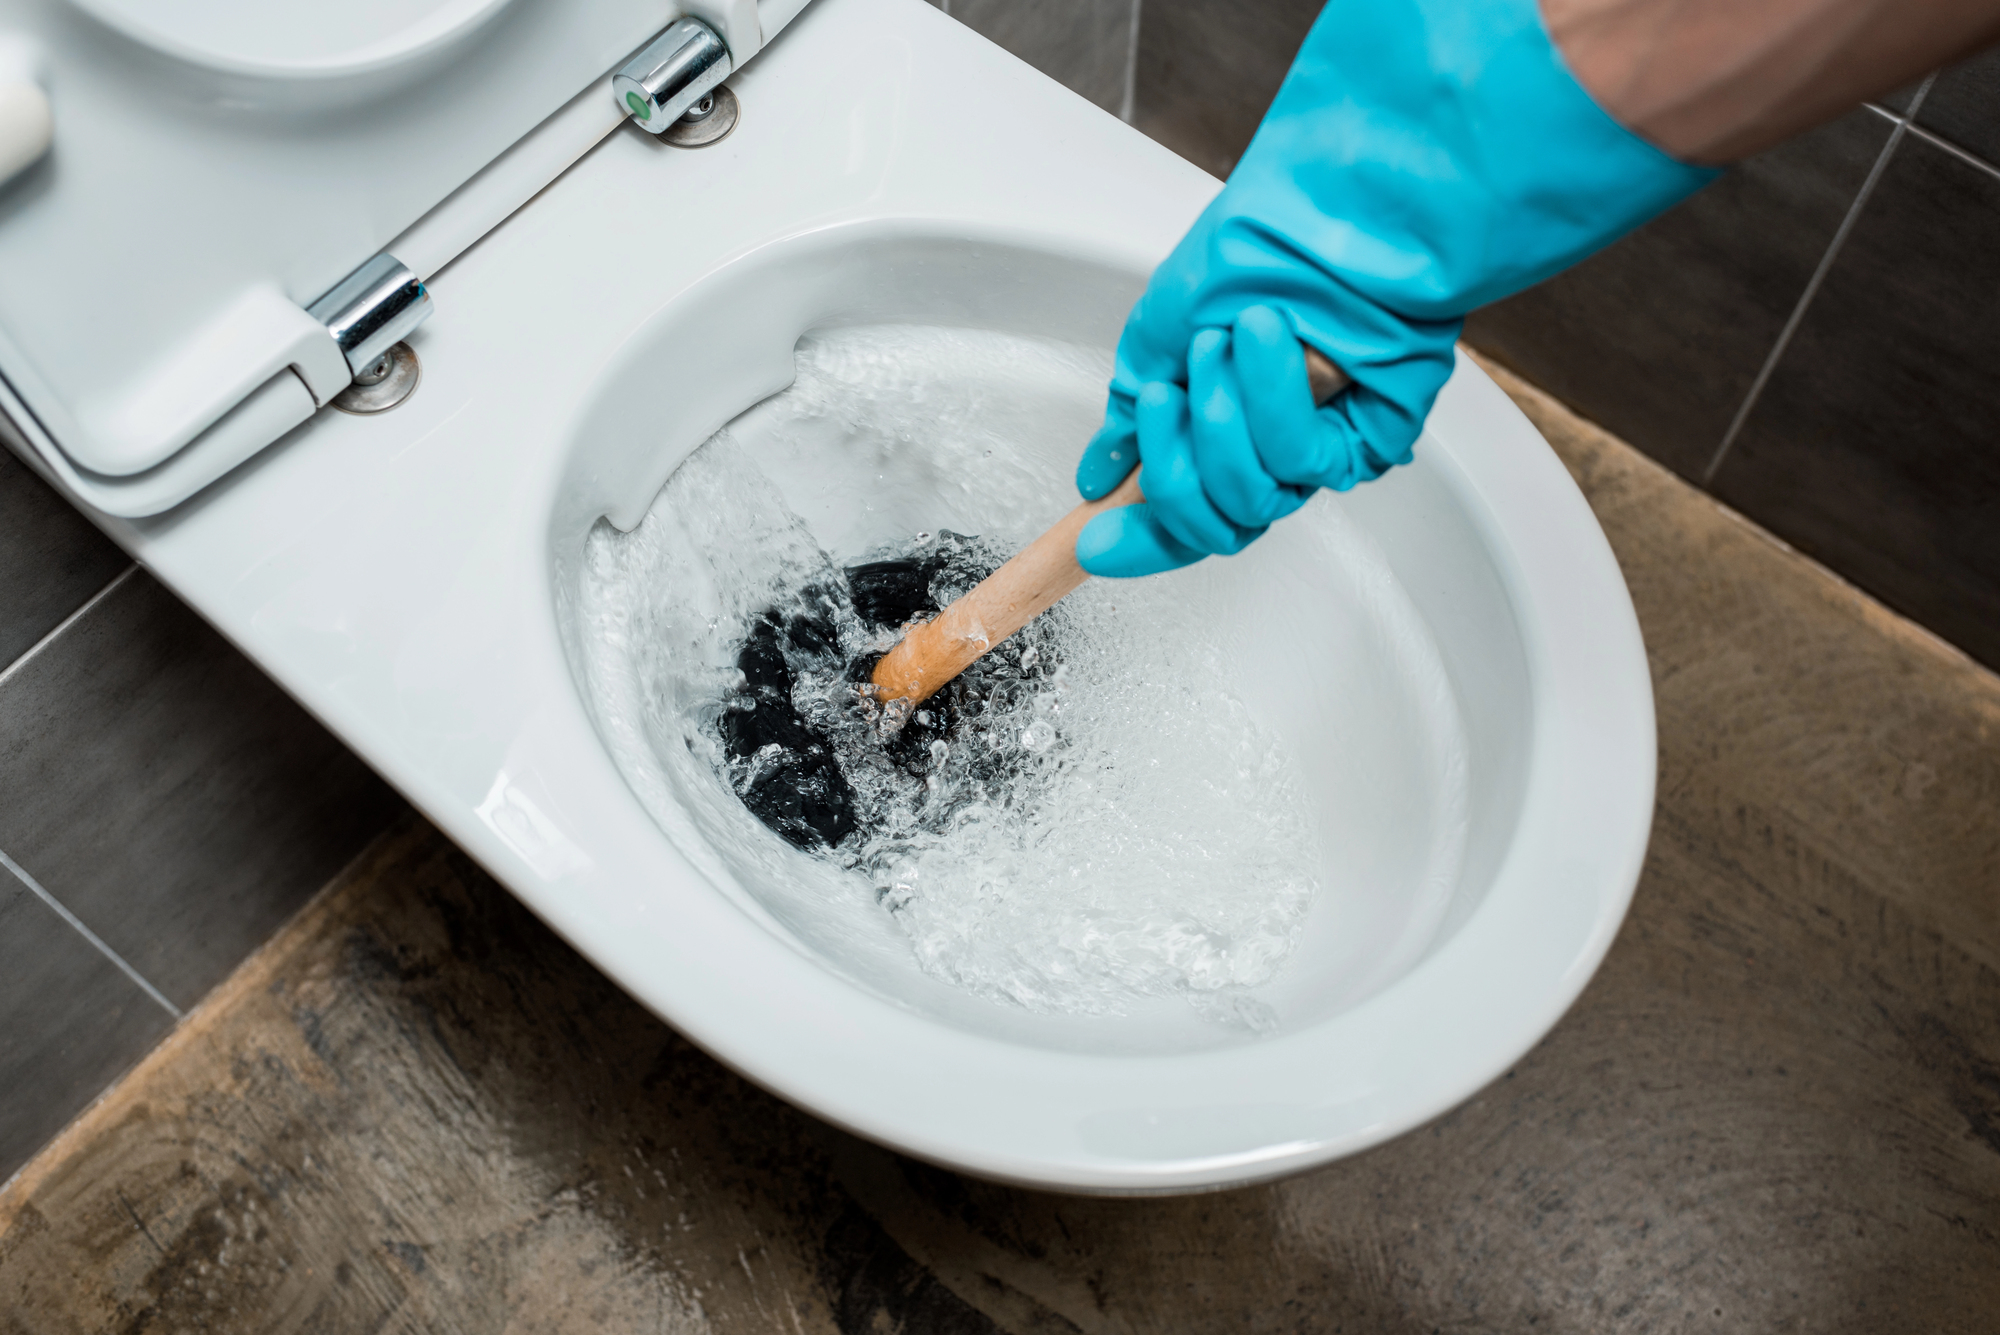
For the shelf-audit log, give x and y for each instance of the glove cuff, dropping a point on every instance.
(1438, 155)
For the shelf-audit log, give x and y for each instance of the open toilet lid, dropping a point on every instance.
(213, 167)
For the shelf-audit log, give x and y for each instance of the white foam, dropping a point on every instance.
(1159, 835)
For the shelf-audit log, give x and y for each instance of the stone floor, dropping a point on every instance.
(1777, 1108)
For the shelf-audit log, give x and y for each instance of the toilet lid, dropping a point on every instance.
(215, 166)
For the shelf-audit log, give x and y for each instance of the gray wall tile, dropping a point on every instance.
(51, 558)
(70, 1022)
(168, 794)
(1085, 45)
(1900, 100)
(1964, 106)
(1660, 336)
(1876, 444)
(1207, 72)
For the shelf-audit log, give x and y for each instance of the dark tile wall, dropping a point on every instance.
(71, 560)
(1208, 69)
(163, 807)
(70, 1020)
(1661, 336)
(1875, 444)
(1825, 357)
(1085, 45)
(1963, 107)
(1815, 338)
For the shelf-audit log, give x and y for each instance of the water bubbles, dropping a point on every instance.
(895, 896)
(895, 716)
(1059, 849)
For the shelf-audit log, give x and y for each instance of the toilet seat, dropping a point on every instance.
(405, 576)
(219, 168)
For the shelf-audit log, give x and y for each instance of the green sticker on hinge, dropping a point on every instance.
(638, 105)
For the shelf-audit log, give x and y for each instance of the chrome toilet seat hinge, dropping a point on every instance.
(672, 74)
(373, 309)
(369, 313)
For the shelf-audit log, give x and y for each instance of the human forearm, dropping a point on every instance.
(1717, 80)
(1423, 158)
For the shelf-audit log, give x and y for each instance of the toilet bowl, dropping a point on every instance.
(417, 579)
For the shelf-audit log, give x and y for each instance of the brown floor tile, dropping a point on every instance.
(1777, 1108)
(1084, 45)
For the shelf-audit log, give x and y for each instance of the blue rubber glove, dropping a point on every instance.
(1423, 158)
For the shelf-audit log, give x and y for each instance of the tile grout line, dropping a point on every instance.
(21, 873)
(67, 622)
(1813, 284)
(1936, 140)
(1128, 105)
(1964, 155)
(62, 911)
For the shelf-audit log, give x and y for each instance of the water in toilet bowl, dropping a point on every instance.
(1098, 818)
(823, 764)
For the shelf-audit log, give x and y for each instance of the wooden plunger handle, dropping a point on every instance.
(1040, 575)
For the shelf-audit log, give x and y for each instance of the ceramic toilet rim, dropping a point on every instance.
(1056, 1119)
(429, 497)
(1377, 1091)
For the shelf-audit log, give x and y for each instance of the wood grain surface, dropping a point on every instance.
(1776, 1108)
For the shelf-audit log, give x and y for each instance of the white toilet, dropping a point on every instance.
(413, 575)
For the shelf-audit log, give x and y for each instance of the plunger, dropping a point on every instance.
(1041, 575)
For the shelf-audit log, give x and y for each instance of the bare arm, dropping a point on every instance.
(1717, 80)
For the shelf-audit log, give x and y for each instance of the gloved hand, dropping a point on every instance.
(1423, 158)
